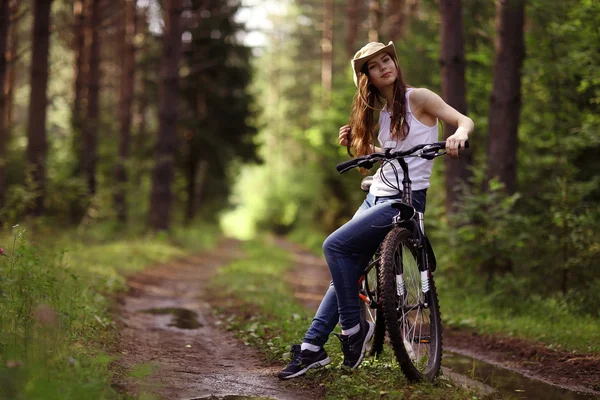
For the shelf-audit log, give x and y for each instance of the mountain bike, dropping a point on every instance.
(397, 288)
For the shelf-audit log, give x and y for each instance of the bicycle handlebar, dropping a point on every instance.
(429, 151)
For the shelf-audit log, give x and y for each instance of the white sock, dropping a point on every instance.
(351, 331)
(309, 347)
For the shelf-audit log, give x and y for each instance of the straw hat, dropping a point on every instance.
(366, 53)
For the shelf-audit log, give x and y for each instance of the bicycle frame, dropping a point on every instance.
(413, 221)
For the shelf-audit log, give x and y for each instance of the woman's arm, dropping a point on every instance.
(435, 106)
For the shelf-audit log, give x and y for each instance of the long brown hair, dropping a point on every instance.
(362, 120)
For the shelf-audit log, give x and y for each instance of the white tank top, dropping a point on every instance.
(419, 169)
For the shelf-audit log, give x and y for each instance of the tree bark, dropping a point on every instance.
(11, 67)
(89, 155)
(4, 24)
(79, 47)
(37, 145)
(125, 107)
(163, 173)
(196, 176)
(374, 20)
(353, 8)
(327, 51)
(505, 102)
(142, 97)
(453, 91)
(394, 25)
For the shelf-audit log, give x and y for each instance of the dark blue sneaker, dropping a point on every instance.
(302, 361)
(354, 346)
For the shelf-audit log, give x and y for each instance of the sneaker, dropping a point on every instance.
(354, 346)
(302, 361)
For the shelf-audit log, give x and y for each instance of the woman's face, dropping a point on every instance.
(382, 70)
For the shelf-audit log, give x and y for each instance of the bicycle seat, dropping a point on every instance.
(365, 185)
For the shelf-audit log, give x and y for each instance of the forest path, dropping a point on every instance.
(533, 363)
(167, 326)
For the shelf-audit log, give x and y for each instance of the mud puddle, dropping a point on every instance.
(232, 398)
(182, 317)
(507, 382)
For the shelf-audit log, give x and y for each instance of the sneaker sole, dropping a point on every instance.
(318, 364)
(364, 348)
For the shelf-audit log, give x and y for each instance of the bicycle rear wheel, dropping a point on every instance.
(371, 288)
(412, 315)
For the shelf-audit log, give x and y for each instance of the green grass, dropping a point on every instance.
(258, 304)
(56, 292)
(544, 320)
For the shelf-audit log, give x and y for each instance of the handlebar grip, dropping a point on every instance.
(443, 144)
(346, 164)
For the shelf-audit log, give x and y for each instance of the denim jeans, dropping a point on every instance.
(348, 251)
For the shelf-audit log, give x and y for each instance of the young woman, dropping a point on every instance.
(407, 117)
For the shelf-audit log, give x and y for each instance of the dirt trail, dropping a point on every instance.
(311, 278)
(166, 322)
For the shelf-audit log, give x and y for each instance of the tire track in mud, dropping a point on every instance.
(166, 323)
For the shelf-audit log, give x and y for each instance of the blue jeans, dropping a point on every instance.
(348, 251)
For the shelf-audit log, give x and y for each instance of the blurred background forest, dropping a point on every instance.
(155, 114)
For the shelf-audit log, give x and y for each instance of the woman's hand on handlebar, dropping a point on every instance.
(344, 135)
(456, 142)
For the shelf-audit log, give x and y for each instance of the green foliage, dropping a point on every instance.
(501, 251)
(487, 233)
(219, 107)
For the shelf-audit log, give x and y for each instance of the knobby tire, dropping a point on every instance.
(400, 325)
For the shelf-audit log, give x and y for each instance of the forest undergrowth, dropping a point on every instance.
(56, 292)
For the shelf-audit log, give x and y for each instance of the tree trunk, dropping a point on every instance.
(79, 47)
(192, 171)
(394, 25)
(453, 91)
(142, 97)
(125, 107)
(89, 155)
(374, 20)
(505, 103)
(162, 175)
(327, 51)
(11, 68)
(4, 24)
(37, 144)
(353, 8)
(201, 175)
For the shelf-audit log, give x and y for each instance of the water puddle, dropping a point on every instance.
(508, 382)
(231, 398)
(182, 317)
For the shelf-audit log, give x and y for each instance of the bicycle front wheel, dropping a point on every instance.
(411, 308)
